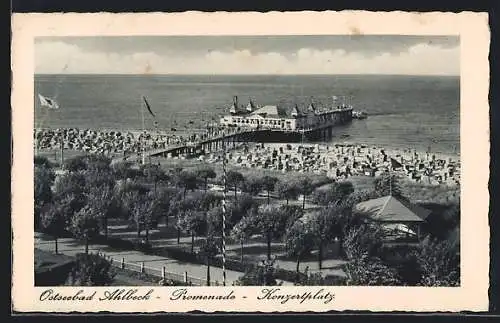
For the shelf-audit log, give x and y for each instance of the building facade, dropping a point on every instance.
(291, 119)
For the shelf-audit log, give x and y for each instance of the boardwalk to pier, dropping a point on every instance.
(215, 142)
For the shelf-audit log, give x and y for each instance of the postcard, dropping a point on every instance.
(250, 162)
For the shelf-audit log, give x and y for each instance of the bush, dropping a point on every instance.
(91, 270)
(332, 193)
(316, 279)
(143, 246)
(370, 272)
(115, 243)
(259, 276)
(43, 161)
(444, 218)
(404, 259)
(177, 254)
(439, 262)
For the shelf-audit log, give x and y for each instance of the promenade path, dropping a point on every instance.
(71, 247)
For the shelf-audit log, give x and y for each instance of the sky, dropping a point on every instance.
(287, 55)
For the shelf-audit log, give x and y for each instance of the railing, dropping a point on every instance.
(200, 142)
(160, 273)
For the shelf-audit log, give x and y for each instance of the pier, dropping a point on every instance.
(232, 140)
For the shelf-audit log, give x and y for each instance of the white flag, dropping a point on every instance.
(47, 102)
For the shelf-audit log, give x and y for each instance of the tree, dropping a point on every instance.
(334, 193)
(299, 241)
(132, 186)
(43, 181)
(53, 221)
(84, 225)
(305, 188)
(162, 201)
(358, 197)
(241, 232)
(209, 249)
(99, 163)
(148, 215)
(187, 180)
(209, 200)
(363, 241)
(194, 222)
(91, 270)
(141, 208)
(362, 246)
(153, 173)
(95, 179)
(187, 205)
(70, 183)
(123, 170)
(287, 190)
(175, 209)
(238, 209)
(92, 162)
(326, 225)
(442, 220)
(205, 173)
(101, 199)
(260, 275)
(233, 179)
(268, 184)
(271, 222)
(389, 184)
(214, 220)
(69, 195)
(439, 262)
(253, 185)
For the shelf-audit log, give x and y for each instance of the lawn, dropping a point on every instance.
(193, 164)
(45, 261)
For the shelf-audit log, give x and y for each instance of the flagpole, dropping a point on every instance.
(62, 150)
(142, 137)
(390, 178)
(224, 179)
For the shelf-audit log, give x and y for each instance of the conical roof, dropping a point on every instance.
(392, 209)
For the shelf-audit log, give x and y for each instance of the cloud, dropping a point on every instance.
(419, 59)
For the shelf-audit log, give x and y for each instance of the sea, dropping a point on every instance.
(417, 112)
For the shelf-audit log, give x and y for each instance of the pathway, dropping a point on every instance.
(71, 247)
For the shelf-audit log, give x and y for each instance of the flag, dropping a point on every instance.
(148, 107)
(47, 102)
(395, 164)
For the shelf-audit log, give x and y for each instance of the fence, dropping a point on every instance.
(157, 272)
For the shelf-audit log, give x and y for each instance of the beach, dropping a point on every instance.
(341, 161)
